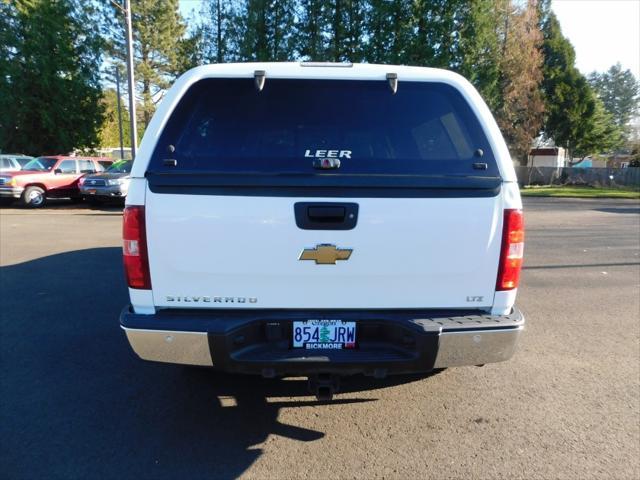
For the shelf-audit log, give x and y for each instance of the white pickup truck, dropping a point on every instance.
(323, 220)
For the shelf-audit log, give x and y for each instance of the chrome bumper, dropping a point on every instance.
(457, 349)
(477, 347)
(452, 341)
(187, 348)
(111, 191)
(12, 192)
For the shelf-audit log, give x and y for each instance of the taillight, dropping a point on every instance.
(134, 249)
(512, 250)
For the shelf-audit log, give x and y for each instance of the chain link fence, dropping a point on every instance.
(593, 177)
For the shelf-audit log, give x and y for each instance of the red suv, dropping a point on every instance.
(49, 177)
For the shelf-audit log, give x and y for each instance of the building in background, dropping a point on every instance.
(114, 152)
(547, 157)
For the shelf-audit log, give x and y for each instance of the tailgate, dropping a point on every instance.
(229, 251)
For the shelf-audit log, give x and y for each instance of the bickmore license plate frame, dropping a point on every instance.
(323, 335)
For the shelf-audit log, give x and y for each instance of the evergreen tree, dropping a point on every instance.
(479, 49)
(159, 47)
(601, 134)
(190, 51)
(619, 91)
(266, 30)
(49, 84)
(439, 25)
(109, 131)
(347, 31)
(282, 22)
(311, 30)
(218, 33)
(389, 27)
(568, 99)
(9, 52)
(254, 31)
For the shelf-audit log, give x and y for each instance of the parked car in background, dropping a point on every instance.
(49, 177)
(12, 162)
(110, 185)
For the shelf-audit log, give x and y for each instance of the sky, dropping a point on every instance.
(602, 32)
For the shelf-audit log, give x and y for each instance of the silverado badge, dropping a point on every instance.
(325, 254)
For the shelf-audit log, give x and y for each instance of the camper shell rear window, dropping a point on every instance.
(227, 126)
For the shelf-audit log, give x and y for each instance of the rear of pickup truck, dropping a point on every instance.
(296, 219)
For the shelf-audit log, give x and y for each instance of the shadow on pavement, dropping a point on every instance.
(62, 204)
(76, 402)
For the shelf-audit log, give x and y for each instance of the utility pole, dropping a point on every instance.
(119, 114)
(131, 80)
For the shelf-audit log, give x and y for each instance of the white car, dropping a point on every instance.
(323, 220)
(13, 162)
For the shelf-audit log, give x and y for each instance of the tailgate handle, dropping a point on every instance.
(326, 215)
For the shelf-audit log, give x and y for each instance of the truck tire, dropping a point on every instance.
(33, 197)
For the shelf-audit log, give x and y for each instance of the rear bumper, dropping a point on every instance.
(259, 341)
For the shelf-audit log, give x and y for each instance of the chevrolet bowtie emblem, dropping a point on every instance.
(325, 254)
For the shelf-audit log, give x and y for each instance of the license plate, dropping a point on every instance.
(91, 192)
(324, 334)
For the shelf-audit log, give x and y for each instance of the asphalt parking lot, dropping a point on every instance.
(76, 403)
